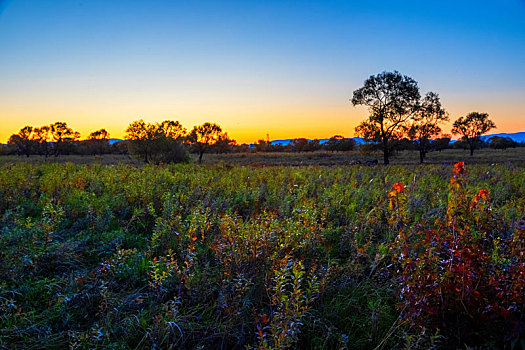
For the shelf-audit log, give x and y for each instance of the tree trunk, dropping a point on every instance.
(421, 156)
(201, 153)
(471, 150)
(385, 152)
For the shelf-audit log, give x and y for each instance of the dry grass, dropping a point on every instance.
(485, 156)
(514, 156)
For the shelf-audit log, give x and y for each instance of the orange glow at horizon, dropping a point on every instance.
(307, 124)
(245, 119)
(280, 68)
(242, 125)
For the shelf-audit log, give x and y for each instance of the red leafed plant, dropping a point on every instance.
(459, 275)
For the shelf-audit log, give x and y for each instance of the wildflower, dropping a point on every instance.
(483, 194)
(399, 187)
(459, 168)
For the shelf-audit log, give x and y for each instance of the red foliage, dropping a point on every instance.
(459, 168)
(399, 187)
(458, 276)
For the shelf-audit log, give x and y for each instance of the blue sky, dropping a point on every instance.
(287, 68)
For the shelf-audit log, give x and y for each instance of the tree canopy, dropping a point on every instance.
(392, 99)
(471, 127)
(98, 141)
(159, 142)
(62, 136)
(23, 141)
(201, 137)
(30, 140)
(425, 123)
(498, 142)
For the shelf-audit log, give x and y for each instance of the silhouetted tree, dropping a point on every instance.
(471, 127)
(42, 137)
(304, 145)
(242, 148)
(440, 143)
(171, 129)
(224, 144)
(425, 123)
(24, 141)
(159, 143)
(140, 134)
(339, 143)
(62, 137)
(299, 144)
(498, 142)
(391, 99)
(98, 141)
(120, 147)
(460, 144)
(312, 145)
(203, 136)
(262, 146)
(346, 144)
(403, 144)
(333, 142)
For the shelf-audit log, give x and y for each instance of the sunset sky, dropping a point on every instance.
(283, 68)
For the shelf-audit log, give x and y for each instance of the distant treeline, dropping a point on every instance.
(152, 141)
(338, 143)
(400, 119)
(163, 142)
(169, 141)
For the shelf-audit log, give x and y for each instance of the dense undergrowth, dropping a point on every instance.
(226, 257)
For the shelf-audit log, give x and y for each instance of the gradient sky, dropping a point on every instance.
(283, 68)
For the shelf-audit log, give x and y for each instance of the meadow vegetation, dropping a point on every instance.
(227, 256)
(515, 156)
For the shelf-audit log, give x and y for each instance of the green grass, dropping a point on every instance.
(120, 256)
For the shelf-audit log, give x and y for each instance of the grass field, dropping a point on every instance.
(226, 256)
(323, 158)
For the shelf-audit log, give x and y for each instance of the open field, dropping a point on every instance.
(106, 159)
(449, 156)
(262, 175)
(484, 156)
(225, 256)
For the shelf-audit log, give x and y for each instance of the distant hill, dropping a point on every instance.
(515, 136)
(112, 141)
(286, 142)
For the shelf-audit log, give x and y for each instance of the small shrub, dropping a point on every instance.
(458, 275)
